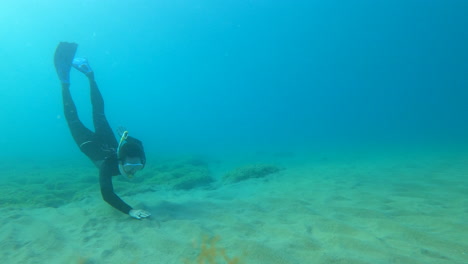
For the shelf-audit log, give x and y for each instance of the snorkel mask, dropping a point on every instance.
(131, 155)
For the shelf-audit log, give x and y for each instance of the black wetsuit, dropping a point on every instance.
(100, 146)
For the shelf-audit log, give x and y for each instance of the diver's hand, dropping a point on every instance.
(139, 214)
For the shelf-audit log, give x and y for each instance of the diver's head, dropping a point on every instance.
(131, 155)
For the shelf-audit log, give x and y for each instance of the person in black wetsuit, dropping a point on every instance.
(111, 157)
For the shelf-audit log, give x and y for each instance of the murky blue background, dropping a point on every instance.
(234, 76)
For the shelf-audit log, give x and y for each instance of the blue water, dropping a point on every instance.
(358, 109)
(229, 76)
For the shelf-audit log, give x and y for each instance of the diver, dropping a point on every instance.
(112, 158)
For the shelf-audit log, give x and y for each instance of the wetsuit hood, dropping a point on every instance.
(132, 148)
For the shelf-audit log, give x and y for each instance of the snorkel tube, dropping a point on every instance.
(123, 140)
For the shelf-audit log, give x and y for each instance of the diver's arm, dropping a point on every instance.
(107, 189)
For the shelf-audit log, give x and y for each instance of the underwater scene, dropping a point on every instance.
(234, 132)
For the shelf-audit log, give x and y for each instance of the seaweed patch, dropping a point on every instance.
(250, 172)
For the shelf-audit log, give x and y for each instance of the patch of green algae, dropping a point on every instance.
(56, 186)
(182, 174)
(250, 172)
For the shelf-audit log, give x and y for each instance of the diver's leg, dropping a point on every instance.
(79, 132)
(101, 125)
(87, 141)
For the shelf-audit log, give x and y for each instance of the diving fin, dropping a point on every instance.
(63, 60)
(82, 65)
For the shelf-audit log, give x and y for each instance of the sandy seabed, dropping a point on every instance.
(319, 209)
